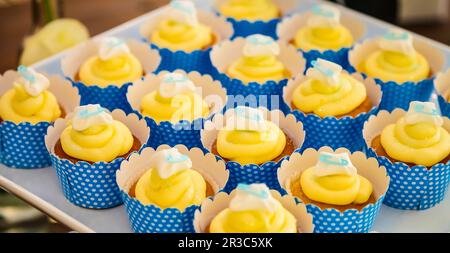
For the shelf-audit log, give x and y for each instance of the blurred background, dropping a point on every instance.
(26, 37)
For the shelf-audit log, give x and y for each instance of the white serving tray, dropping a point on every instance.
(41, 189)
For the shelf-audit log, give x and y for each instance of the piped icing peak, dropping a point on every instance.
(253, 197)
(33, 82)
(421, 112)
(111, 47)
(397, 41)
(260, 45)
(90, 115)
(183, 11)
(246, 119)
(330, 164)
(173, 84)
(325, 71)
(169, 161)
(324, 16)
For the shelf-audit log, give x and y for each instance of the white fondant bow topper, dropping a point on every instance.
(325, 71)
(90, 115)
(253, 197)
(184, 12)
(324, 16)
(111, 47)
(169, 161)
(173, 84)
(260, 45)
(33, 82)
(334, 164)
(420, 112)
(397, 41)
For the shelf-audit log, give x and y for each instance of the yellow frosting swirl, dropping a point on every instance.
(323, 38)
(115, 71)
(252, 10)
(18, 106)
(258, 69)
(422, 143)
(339, 189)
(176, 36)
(181, 190)
(251, 147)
(396, 66)
(315, 96)
(185, 106)
(254, 221)
(98, 143)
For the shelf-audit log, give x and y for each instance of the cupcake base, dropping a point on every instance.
(62, 155)
(376, 145)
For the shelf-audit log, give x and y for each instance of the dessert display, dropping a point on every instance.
(252, 10)
(94, 136)
(418, 138)
(175, 100)
(29, 99)
(180, 30)
(328, 91)
(323, 31)
(259, 62)
(114, 64)
(396, 59)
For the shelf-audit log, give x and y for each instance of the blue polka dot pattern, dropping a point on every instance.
(23, 146)
(349, 221)
(197, 60)
(152, 219)
(340, 57)
(111, 97)
(244, 28)
(445, 106)
(87, 185)
(249, 174)
(415, 188)
(400, 95)
(236, 87)
(335, 133)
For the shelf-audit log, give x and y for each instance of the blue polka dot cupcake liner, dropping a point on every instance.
(244, 28)
(112, 96)
(153, 219)
(399, 95)
(197, 60)
(330, 220)
(183, 132)
(252, 173)
(289, 27)
(22, 145)
(210, 208)
(254, 94)
(331, 131)
(442, 84)
(92, 185)
(412, 187)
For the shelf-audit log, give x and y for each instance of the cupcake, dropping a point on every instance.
(175, 105)
(184, 36)
(252, 209)
(322, 33)
(256, 65)
(342, 190)
(414, 146)
(253, 142)
(103, 70)
(332, 105)
(29, 103)
(442, 84)
(254, 16)
(402, 65)
(162, 188)
(86, 149)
